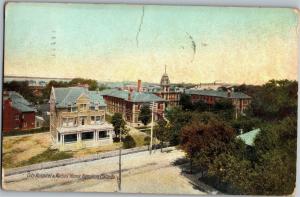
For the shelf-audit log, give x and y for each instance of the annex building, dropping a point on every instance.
(239, 100)
(130, 102)
(19, 114)
(77, 118)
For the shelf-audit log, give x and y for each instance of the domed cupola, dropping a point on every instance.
(165, 81)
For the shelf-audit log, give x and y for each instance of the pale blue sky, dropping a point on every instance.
(250, 45)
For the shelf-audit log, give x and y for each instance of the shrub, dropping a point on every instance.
(47, 155)
(147, 140)
(128, 142)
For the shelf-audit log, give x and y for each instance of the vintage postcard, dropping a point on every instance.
(149, 99)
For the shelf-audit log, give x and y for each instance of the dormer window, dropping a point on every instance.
(69, 108)
(83, 107)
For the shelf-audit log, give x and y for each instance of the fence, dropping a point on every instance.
(52, 164)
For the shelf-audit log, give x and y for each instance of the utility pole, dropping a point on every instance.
(120, 169)
(152, 117)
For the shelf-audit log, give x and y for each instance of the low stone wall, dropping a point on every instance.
(52, 164)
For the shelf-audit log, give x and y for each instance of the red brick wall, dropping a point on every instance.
(11, 117)
(28, 120)
(16, 120)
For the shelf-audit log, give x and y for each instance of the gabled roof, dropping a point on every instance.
(217, 93)
(249, 137)
(65, 97)
(19, 102)
(135, 96)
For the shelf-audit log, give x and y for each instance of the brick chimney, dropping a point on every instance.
(139, 86)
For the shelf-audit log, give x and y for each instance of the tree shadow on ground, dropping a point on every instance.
(194, 176)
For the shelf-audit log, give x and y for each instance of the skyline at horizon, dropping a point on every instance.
(125, 42)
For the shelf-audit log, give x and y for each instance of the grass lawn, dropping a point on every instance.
(17, 149)
(35, 148)
(94, 150)
(47, 155)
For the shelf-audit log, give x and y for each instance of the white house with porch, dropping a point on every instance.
(77, 119)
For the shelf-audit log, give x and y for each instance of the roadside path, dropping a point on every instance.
(141, 173)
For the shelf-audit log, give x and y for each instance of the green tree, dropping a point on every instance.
(178, 119)
(201, 106)
(224, 108)
(186, 102)
(22, 88)
(272, 169)
(147, 141)
(129, 142)
(93, 85)
(275, 100)
(162, 131)
(145, 114)
(47, 90)
(119, 124)
(246, 123)
(204, 140)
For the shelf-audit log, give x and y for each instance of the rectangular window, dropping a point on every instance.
(25, 124)
(70, 138)
(99, 119)
(75, 121)
(92, 119)
(68, 122)
(83, 107)
(17, 117)
(82, 120)
(103, 134)
(87, 136)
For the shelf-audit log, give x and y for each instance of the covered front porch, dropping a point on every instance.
(84, 136)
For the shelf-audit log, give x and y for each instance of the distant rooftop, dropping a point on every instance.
(135, 97)
(249, 137)
(19, 102)
(68, 96)
(218, 93)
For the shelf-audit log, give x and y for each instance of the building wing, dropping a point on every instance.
(217, 93)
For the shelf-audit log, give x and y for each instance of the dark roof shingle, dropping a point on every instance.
(135, 97)
(19, 102)
(68, 96)
(217, 93)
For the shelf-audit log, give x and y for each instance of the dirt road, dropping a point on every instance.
(141, 173)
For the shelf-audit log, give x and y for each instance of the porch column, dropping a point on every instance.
(57, 137)
(110, 132)
(79, 136)
(95, 136)
(62, 139)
